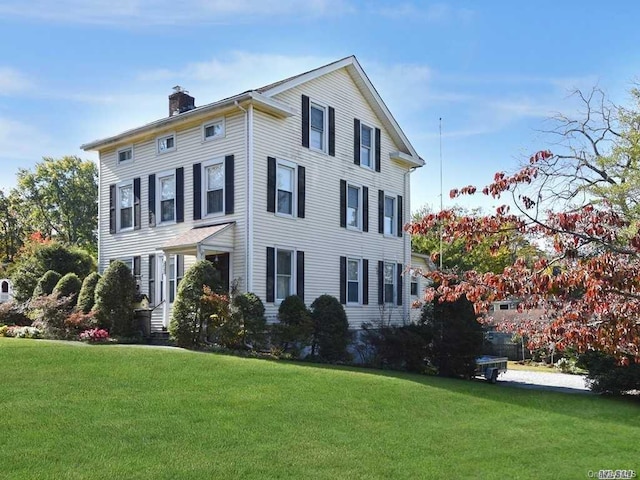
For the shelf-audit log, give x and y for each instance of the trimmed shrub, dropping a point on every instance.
(46, 284)
(69, 285)
(114, 300)
(87, 295)
(223, 328)
(330, 329)
(191, 314)
(456, 337)
(250, 311)
(49, 314)
(606, 375)
(77, 322)
(12, 313)
(295, 327)
(398, 348)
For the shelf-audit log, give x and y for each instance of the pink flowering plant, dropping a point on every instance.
(95, 335)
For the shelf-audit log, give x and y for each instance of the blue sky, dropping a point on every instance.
(72, 71)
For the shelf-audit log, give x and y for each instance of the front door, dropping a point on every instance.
(220, 262)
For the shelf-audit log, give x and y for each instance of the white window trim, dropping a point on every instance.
(125, 162)
(162, 137)
(203, 188)
(325, 126)
(414, 277)
(220, 120)
(159, 177)
(372, 148)
(360, 281)
(294, 189)
(394, 297)
(125, 183)
(360, 195)
(394, 221)
(294, 273)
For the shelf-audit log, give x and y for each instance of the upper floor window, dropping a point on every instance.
(125, 205)
(354, 207)
(213, 130)
(167, 197)
(317, 126)
(166, 143)
(213, 186)
(285, 192)
(389, 215)
(125, 155)
(366, 144)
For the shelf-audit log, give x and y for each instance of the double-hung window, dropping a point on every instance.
(213, 180)
(166, 143)
(125, 205)
(414, 283)
(317, 116)
(354, 204)
(167, 197)
(284, 274)
(389, 282)
(366, 146)
(389, 215)
(284, 184)
(353, 280)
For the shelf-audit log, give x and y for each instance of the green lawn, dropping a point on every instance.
(73, 411)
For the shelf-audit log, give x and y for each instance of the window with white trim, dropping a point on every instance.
(389, 215)
(284, 273)
(166, 185)
(317, 126)
(354, 280)
(389, 282)
(354, 207)
(175, 266)
(366, 146)
(285, 196)
(166, 143)
(213, 186)
(213, 130)
(124, 201)
(125, 155)
(414, 283)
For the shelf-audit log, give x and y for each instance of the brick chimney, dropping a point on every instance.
(180, 101)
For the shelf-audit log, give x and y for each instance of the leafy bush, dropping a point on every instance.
(330, 329)
(567, 365)
(456, 337)
(49, 314)
(606, 375)
(87, 295)
(69, 285)
(77, 322)
(46, 284)
(191, 313)
(295, 327)
(249, 310)
(223, 328)
(399, 348)
(95, 335)
(23, 332)
(114, 300)
(3, 330)
(34, 262)
(12, 313)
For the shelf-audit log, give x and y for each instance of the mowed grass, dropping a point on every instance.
(72, 411)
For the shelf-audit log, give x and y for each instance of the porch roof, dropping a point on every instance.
(205, 235)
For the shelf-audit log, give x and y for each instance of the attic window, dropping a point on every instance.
(213, 130)
(317, 127)
(166, 143)
(125, 155)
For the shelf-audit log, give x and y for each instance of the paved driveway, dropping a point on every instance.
(561, 382)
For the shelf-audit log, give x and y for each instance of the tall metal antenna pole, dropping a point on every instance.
(441, 198)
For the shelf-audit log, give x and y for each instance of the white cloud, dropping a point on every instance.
(433, 13)
(13, 81)
(168, 12)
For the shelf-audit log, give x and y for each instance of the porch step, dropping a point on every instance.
(160, 338)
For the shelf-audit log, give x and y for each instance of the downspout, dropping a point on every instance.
(407, 255)
(248, 132)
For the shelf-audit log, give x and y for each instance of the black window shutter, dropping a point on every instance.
(152, 279)
(305, 121)
(400, 216)
(271, 184)
(380, 283)
(180, 194)
(228, 184)
(380, 211)
(152, 200)
(356, 141)
(343, 280)
(112, 208)
(365, 282)
(271, 261)
(399, 283)
(301, 191)
(197, 191)
(332, 132)
(365, 209)
(300, 274)
(343, 203)
(136, 266)
(137, 214)
(378, 156)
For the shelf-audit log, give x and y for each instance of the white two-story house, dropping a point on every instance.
(297, 188)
